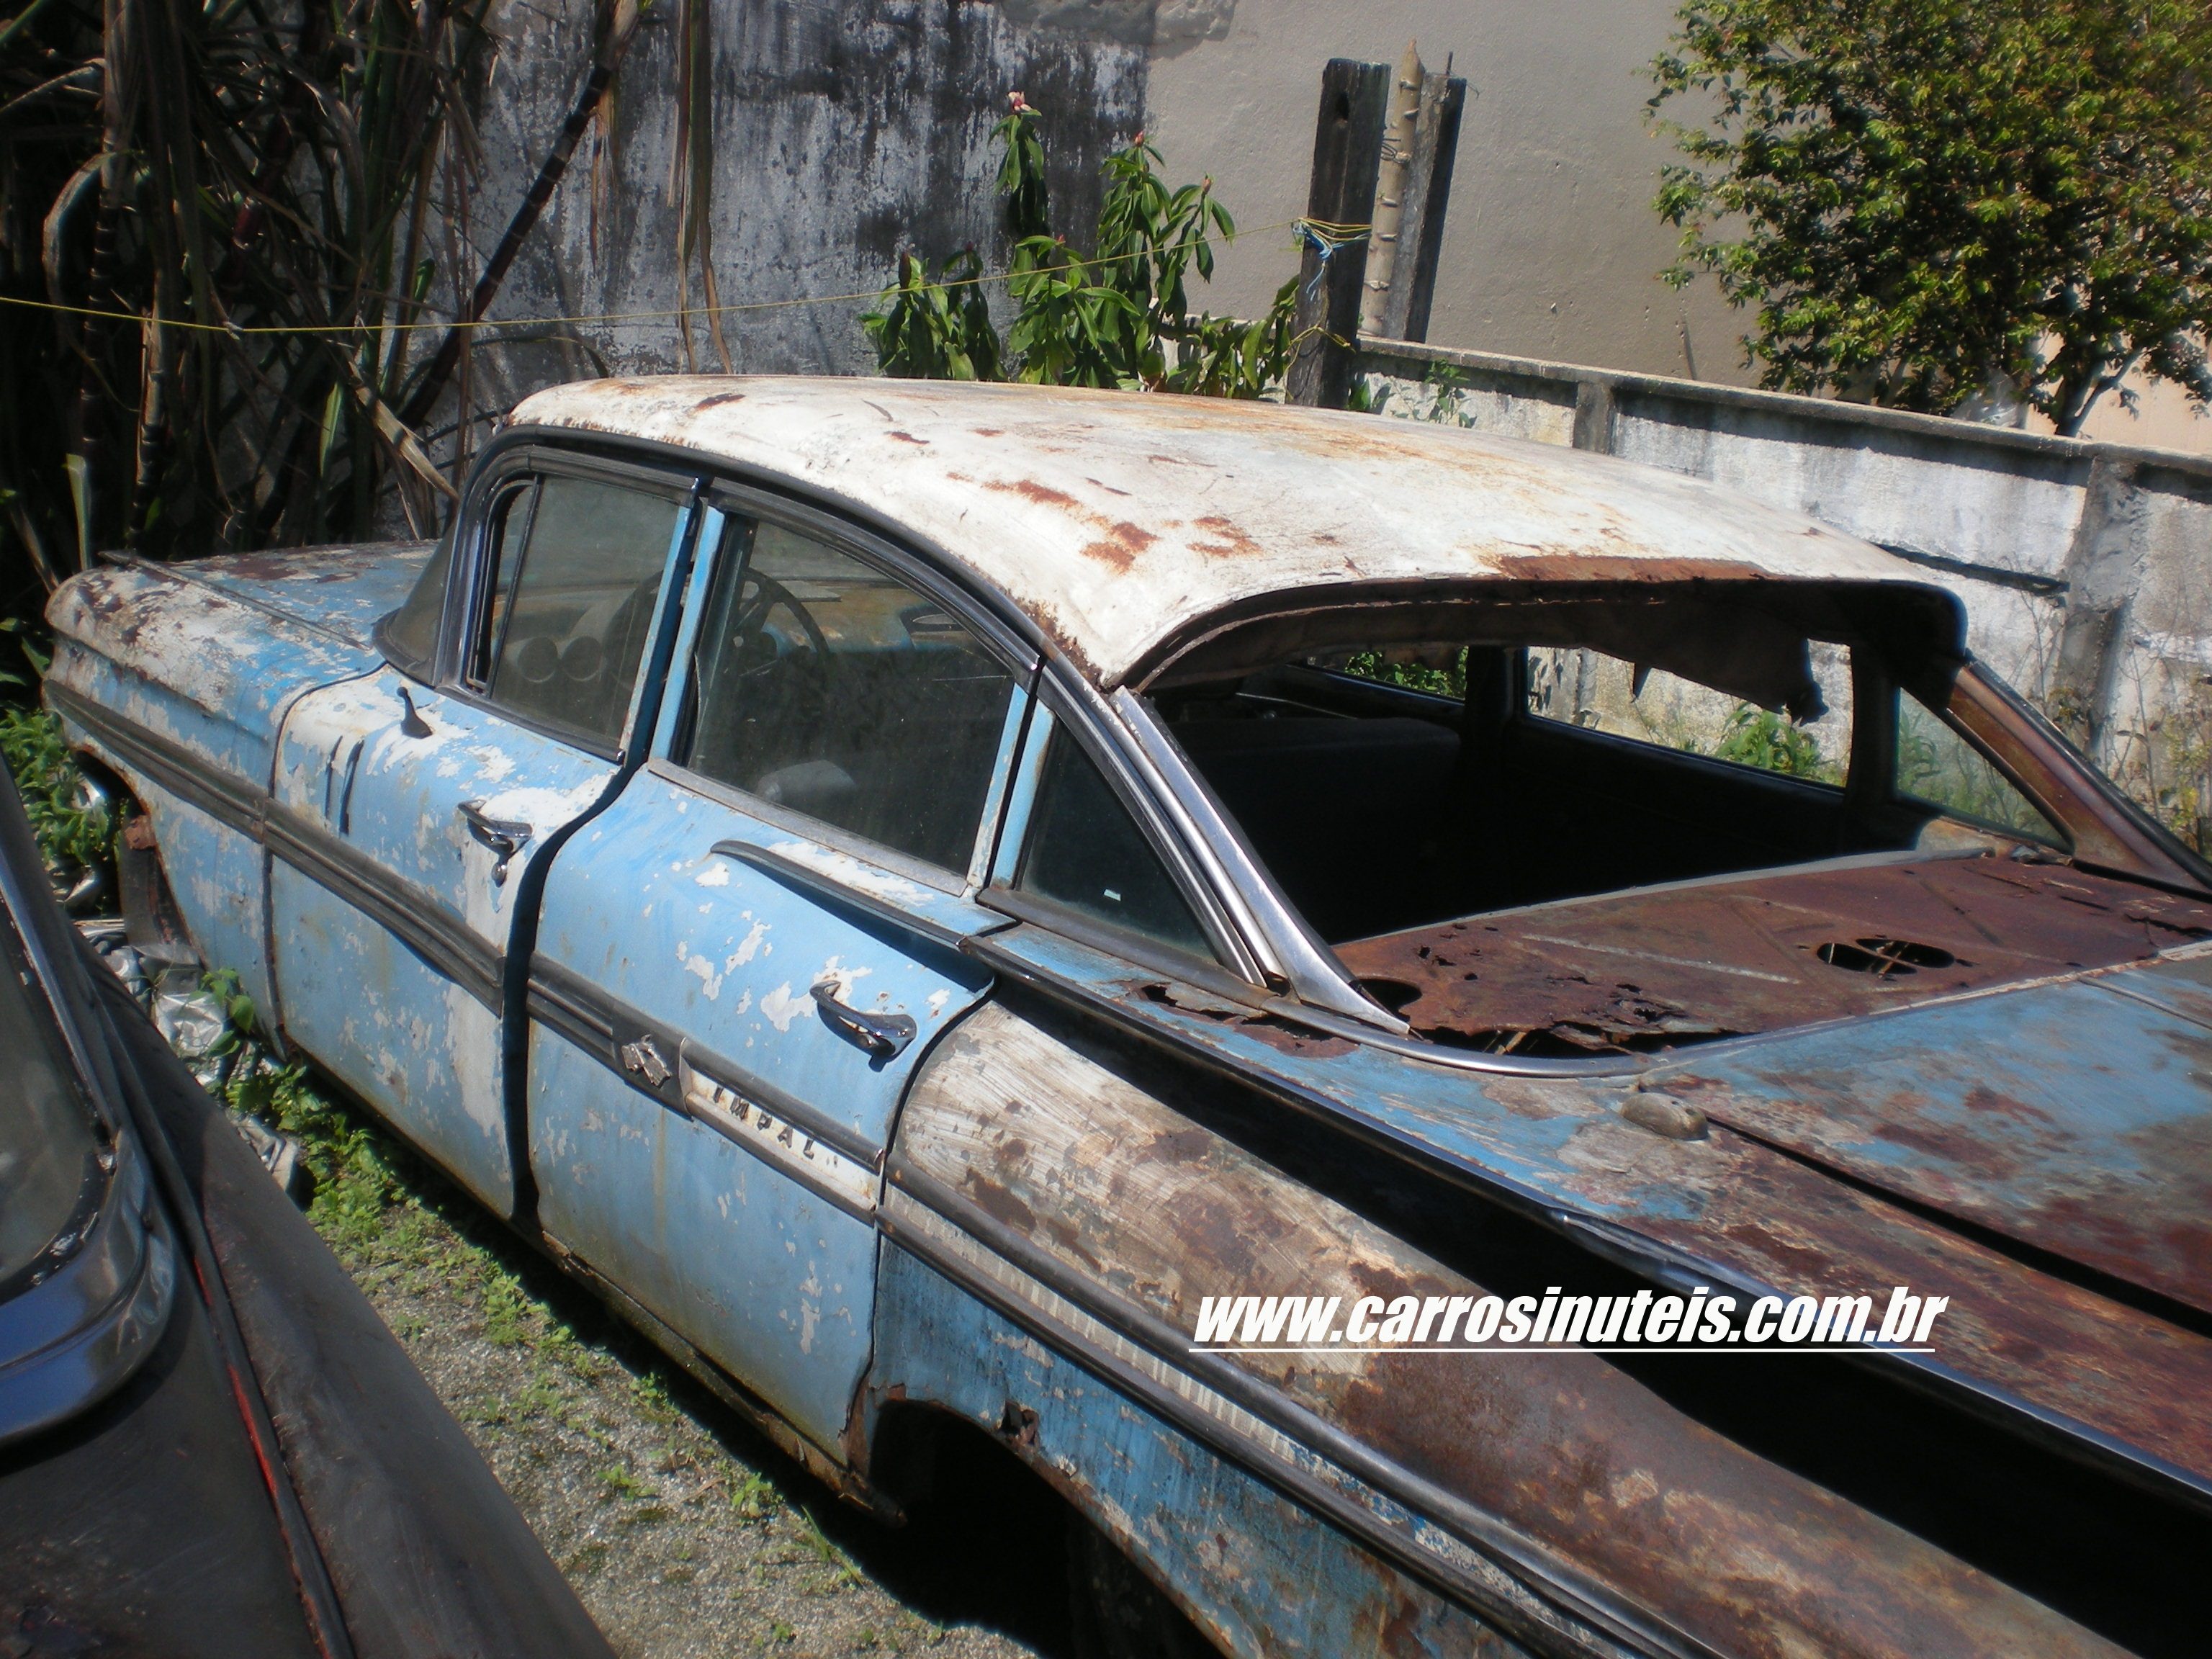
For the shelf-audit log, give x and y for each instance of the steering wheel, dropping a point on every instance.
(759, 597)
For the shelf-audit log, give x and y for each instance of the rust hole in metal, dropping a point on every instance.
(1393, 994)
(1885, 958)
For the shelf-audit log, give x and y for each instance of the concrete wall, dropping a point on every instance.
(2081, 565)
(842, 134)
(1551, 249)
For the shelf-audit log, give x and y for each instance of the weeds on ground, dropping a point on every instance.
(621, 1483)
(754, 1498)
(817, 1543)
(75, 828)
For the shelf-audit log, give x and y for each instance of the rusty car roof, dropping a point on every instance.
(1116, 520)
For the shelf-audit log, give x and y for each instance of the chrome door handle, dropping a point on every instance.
(882, 1035)
(505, 836)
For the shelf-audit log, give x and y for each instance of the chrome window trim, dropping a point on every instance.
(739, 500)
(1072, 701)
(723, 503)
(466, 597)
(1304, 964)
(791, 822)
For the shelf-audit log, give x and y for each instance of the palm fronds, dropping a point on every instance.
(263, 184)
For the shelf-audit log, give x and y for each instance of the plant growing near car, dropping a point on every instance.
(75, 828)
(1773, 742)
(271, 189)
(1929, 201)
(1120, 319)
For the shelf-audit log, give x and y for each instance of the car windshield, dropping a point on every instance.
(50, 1168)
(1578, 822)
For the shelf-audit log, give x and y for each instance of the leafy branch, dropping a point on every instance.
(1120, 318)
(1926, 202)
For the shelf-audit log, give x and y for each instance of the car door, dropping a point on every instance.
(410, 817)
(741, 961)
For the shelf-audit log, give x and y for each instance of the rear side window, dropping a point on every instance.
(1084, 851)
(1576, 686)
(825, 684)
(575, 571)
(1937, 767)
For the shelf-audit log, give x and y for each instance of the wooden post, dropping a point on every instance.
(1421, 219)
(1400, 125)
(1347, 148)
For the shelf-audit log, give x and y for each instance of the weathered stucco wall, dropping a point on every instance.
(1550, 248)
(2081, 565)
(840, 134)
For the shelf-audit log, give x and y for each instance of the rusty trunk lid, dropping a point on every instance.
(2070, 1118)
(2024, 1049)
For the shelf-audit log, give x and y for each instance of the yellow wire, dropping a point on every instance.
(611, 318)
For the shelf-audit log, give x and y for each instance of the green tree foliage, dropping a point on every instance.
(1926, 200)
(1122, 318)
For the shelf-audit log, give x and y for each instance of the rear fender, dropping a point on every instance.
(1058, 1210)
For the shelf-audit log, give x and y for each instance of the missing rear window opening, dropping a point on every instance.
(1634, 826)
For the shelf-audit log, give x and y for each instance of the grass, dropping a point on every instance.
(621, 1483)
(754, 1498)
(843, 1573)
(75, 828)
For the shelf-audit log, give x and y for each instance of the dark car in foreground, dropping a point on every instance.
(924, 895)
(210, 1445)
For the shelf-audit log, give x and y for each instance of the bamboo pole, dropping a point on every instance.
(1390, 181)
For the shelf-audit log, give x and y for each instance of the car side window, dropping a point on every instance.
(825, 684)
(1579, 687)
(573, 570)
(1084, 851)
(1937, 767)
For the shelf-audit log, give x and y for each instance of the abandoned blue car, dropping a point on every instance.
(923, 895)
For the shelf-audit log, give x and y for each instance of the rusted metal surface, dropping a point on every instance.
(1595, 1473)
(1115, 521)
(1257, 1571)
(2135, 1381)
(1665, 967)
(1981, 1077)
(212, 668)
(342, 590)
(2105, 828)
(1765, 1219)
(2071, 1119)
